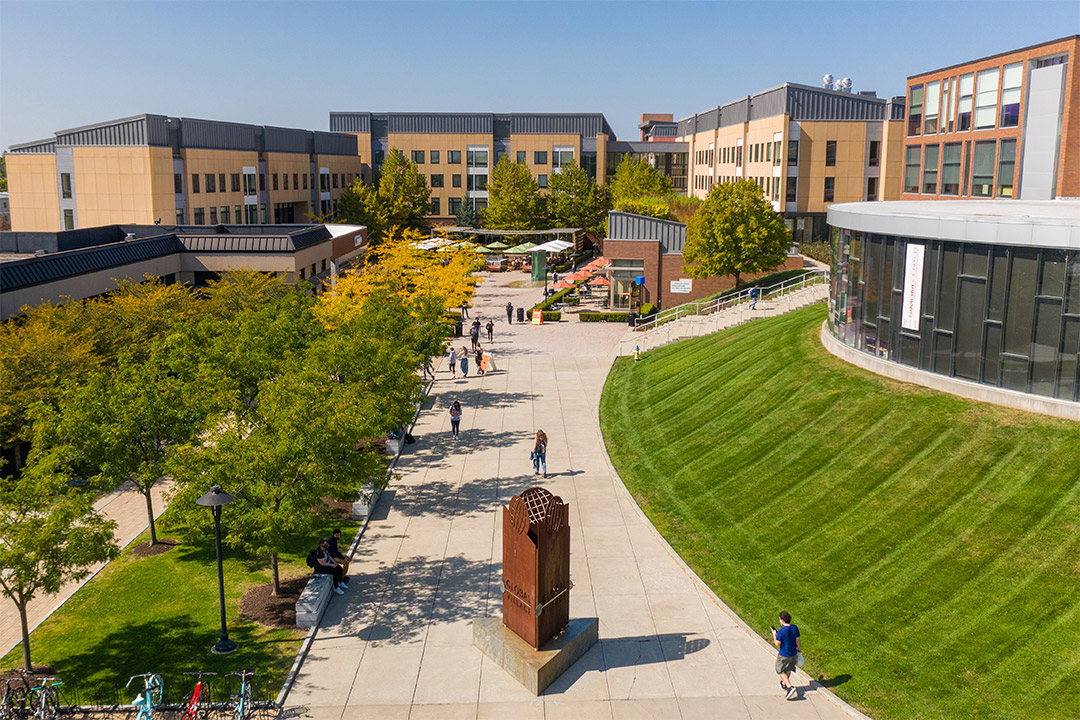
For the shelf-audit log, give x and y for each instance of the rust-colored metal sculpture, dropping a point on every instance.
(536, 565)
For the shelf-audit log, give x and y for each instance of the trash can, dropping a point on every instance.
(521, 314)
(457, 329)
(631, 319)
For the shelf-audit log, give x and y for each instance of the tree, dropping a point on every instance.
(127, 320)
(736, 231)
(576, 201)
(636, 178)
(49, 534)
(468, 215)
(649, 206)
(514, 199)
(400, 198)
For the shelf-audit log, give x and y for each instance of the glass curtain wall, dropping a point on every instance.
(993, 314)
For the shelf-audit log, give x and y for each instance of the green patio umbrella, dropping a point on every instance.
(497, 246)
(521, 249)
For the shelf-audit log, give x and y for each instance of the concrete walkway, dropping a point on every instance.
(127, 507)
(399, 643)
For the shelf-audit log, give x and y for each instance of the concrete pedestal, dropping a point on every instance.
(535, 669)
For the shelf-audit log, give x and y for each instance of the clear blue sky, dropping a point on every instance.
(64, 64)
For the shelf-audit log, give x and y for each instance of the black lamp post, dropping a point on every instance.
(215, 500)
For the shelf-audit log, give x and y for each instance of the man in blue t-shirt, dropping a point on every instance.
(787, 640)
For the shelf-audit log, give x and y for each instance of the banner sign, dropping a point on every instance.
(538, 317)
(682, 286)
(913, 278)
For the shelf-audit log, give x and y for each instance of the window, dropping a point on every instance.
(946, 103)
(871, 188)
(455, 180)
(911, 168)
(950, 169)
(776, 152)
(274, 181)
(237, 217)
(221, 182)
(541, 180)
(967, 166)
(324, 182)
(69, 218)
(296, 181)
(342, 176)
(224, 214)
(540, 157)
(380, 156)
(933, 97)
(830, 185)
(312, 178)
(1006, 164)
(418, 157)
(875, 153)
(454, 157)
(236, 182)
(453, 205)
(301, 273)
(213, 216)
(285, 180)
(211, 183)
(194, 183)
(249, 183)
(982, 174)
(986, 89)
(963, 106)
(200, 216)
(792, 190)
(305, 181)
(830, 153)
(178, 183)
(792, 153)
(333, 179)
(1010, 94)
(434, 206)
(476, 157)
(436, 181)
(561, 156)
(521, 156)
(179, 216)
(930, 169)
(433, 157)
(768, 152)
(915, 106)
(477, 183)
(499, 155)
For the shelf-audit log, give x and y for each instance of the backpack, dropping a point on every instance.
(311, 558)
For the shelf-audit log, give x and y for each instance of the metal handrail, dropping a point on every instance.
(699, 307)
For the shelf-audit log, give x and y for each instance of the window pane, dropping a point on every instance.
(964, 104)
(950, 169)
(1072, 302)
(914, 109)
(933, 97)
(1010, 94)
(982, 179)
(930, 165)
(950, 257)
(911, 169)
(1014, 373)
(1070, 338)
(1044, 365)
(992, 355)
(969, 329)
(1006, 164)
(1052, 282)
(999, 278)
(986, 88)
(975, 260)
(1020, 301)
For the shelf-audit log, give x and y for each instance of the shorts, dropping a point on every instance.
(785, 664)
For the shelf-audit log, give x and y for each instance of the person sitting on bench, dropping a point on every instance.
(326, 565)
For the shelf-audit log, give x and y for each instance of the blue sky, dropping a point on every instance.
(65, 64)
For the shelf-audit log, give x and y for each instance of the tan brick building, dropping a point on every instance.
(1003, 126)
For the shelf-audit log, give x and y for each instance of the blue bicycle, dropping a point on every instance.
(150, 697)
(44, 700)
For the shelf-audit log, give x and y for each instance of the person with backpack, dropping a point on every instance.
(322, 563)
(491, 330)
(539, 452)
(755, 293)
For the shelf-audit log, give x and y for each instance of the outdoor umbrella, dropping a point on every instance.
(579, 275)
(521, 249)
(599, 281)
(562, 285)
(497, 246)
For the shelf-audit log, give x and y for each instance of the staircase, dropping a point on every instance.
(726, 312)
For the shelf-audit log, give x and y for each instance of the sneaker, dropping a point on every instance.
(791, 692)
(338, 591)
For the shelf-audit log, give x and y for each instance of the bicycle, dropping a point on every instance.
(45, 700)
(199, 706)
(150, 697)
(245, 707)
(13, 700)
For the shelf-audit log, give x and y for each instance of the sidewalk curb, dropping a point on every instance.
(305, 647)
(830, 695)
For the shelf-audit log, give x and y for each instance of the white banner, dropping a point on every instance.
(682, 286)
(913, 276)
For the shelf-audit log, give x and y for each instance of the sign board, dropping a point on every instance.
(682, 286)
(913, 279)
(538, 317)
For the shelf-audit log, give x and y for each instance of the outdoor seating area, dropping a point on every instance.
(587, 289)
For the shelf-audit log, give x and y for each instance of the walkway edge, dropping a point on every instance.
(690, 571)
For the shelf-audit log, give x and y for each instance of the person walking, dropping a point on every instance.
(464, 362)
(429, 371)
(787, 640)
(453, 362)
(479, 360)
(474, 334)
(539, 452)
(491, 330)
(755, 292)
(509, 313)
(464, 309)
(455, 420)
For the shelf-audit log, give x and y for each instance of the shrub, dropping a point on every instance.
(820, 251)
(647, 309)
(603, 317)
(572, 301)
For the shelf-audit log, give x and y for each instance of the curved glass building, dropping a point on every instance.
(980, 292)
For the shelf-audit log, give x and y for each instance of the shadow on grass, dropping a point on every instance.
(833, 681)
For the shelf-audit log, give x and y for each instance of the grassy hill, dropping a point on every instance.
(927, 546)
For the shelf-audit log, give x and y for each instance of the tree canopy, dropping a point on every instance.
(636, 178)
(735, 231)
(514, 199)
(576, 201)
(400, 198)
(468, 215)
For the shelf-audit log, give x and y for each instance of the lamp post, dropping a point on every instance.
(215, 500)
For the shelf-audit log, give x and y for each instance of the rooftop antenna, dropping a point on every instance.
(826, 81)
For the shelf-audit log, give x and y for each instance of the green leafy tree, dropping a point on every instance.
(736, 231)
(468, 215)
(514, 199)
(636, 178)
(49, 535)
(129, 319)
(648, 206)
(576, 201)
(3, 174)
(400, 198)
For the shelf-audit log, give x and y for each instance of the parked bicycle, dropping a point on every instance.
(244, 706)
(13, 699)
(199, 705)
(150, 697)
(45, 700)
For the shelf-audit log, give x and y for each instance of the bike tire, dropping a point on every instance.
(205, 710)
(48, 705)
(155, 687)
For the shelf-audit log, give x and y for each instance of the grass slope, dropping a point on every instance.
(926, 545)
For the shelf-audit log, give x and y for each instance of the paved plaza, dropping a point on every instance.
(398, 644)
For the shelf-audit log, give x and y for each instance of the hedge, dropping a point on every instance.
(604, 317)
(647, 309)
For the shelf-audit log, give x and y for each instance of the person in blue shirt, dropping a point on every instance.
(787, 640)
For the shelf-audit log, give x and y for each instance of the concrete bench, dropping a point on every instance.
(363, 505)
(314, 598)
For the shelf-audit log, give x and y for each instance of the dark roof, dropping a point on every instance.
(626, 226)
(586, 124)
(997, 55)
(645, 146)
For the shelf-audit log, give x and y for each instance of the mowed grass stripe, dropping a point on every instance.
(928, 546)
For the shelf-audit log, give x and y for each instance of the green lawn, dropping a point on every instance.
(160, 614)
(927, 546)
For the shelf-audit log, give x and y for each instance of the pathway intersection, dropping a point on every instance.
(399, 643)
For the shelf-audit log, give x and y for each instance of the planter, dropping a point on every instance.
(364, 504)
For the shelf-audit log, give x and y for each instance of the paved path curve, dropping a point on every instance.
(399, 643)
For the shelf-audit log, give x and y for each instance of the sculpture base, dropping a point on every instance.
(535, 669)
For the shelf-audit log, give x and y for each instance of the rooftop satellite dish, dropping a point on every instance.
(827, 80)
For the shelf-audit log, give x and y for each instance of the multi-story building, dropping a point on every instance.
(1004, 126)
(155, 169)
(807, 148)
(457, 151)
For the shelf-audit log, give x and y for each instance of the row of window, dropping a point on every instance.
(216, 183)
(770, 152)
(453, 205)
(962, 169)
(476, 181)
(479, 158)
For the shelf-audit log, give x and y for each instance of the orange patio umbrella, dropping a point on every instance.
(600, 281)
(562, 285)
